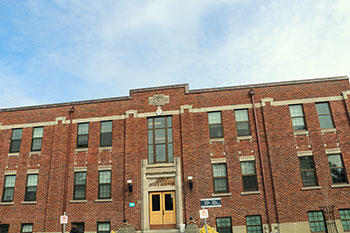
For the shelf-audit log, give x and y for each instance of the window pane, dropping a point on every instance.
(32, 180)
(170, 153)
(223, 222)
(169, 122)
(83, 141)
(80, 226)
(298, 123)
(36, 146)
(27, 228)
(170, 135)
(150, 154)
(309, 178)
(106, 139)
(79, 192)
(16, 134)
(345, 219)
(106, 127)
(160, 152)
(159, 122)
(8, 194)
(306, 162)
(156, 202)
(10, 181)
(80, 178)
(160, 136)
(248, 168)
(83, 128)
(322, 108)
(316, 221)
(219, 170)
(326, 121)
(296, 110)
(15, 146)
(338, 175)
(150, 123)
(104, 191)
(243, 128)
(38, 132)
(241, 115)
(105, 177)
(214, 118)
(335, 161)
(104, 226)
(250, 183)
(215, 131)
(150, 136)
(169, 202)
(220, 184)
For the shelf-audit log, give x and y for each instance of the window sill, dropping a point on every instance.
(241, 138)
(216, 140)
(103, 200)
(35, 153)
(7, 203)
(310, 188)
(78, 201)
(28, 202)
(156, 165)
(340, 186)
(331, 130)
(104, 148)
(221, 194)
(250, 193)
(301, 132)
(79, 150)
(13, 154)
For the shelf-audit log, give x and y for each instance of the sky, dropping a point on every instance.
(54, 51)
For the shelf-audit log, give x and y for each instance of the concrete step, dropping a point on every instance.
(162, 231)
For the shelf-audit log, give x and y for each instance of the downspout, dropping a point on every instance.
(182, 170)
(261, 158)
(124, 220)
(71, 113)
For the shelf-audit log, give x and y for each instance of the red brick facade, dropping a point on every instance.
(287, 200)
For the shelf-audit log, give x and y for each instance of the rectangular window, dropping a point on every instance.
(106, 133)
(242, 122)
(254, 224)
(223, 225)
(83, 135)
(26, 227)
(215, 125)
(9, 188)
(31, 188)
(317, 221)
(250, 182)
(160, 140)
(104, 184)
(37, 138)
(79, 186)
(297, 114)
(338, 172)
(324, 115)
(103, 227)
(345, 219)
(80, 226)
(16, 140)
(220, 178)
(308, 171)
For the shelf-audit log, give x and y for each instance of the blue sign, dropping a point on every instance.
(131, 204)
(210, 202)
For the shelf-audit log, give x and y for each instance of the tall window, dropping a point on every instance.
(220, 178)
(223, 225)
(254, 224)
(345, 219)
(103, 227)
(79, 186)
(324, 115)
(104, 184)
(32, 183)
(250, 182)
(83, 135)
(297, 114)
(308, 171)
(26, 227)
(317, 221)
(37, 138)
(338, 172)
(9, 188)
(16, 140)
(215, 125)
(80, 226)
(106, 133)
(160, 140)
(242, 122)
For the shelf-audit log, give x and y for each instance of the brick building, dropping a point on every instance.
(277, 155)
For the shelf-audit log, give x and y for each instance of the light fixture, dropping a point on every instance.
(129, 185)
(190, 182)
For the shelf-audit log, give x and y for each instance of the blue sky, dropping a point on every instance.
(54, 51)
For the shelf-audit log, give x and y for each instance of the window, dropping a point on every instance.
(106, 133)
(345, 219)
(32, 183)
(16, 140)
(249, 176)
(215, 125)
(242, 122)
(83, 135)
(104, 184)
(37, 138)
(160, 140)
(79, 186)
(220, 178)
(80, 226)
(317, 222)
(103, 227)
(297, 114)
(9, 188)
(324, 115)
(254, 224)
(338, 172)
(223, 225)
(308, 171)
(27, 227)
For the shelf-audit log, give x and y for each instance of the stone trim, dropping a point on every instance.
(81, 150)
(103, 200)
(35, 153)
(247, 158)
(7, 203)
(305, 153)
(306, 101)
(10, 172)
(241, 138)
(218, 160)
(105, 167)
(310, 188)
(105, 148)
(333, 151)
(340, 186)
(13, 154)
(216, 140)
(78, 201)
(301, 132)
(29, 202)
(221, 194)
(331, 130)
(80, 169)
(250, 193)
(33, 171)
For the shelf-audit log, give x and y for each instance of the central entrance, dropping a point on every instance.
(162, 210)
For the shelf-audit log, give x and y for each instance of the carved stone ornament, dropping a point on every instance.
(163, 182)
(158, 100)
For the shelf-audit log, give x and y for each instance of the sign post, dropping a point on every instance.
(208, 203)
(64, 221)
(203, 213)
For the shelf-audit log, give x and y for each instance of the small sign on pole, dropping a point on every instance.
(64, 219)
(203, 213)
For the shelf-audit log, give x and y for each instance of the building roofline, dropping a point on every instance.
(177, 86)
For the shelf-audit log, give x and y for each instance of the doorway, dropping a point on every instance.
(162, 210)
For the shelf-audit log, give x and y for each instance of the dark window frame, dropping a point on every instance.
(245, 189)
(77, 186)
(104, 184)
(109, 134)
(80, 225)
(5, 189)
(103, 231)
(311, 223)
(323, 114)
(13, 141)
(298, 117)
(239, 133)
(216, 178)
(334, 168)
(255, 225)
(40, 139)
(216, 124)
(27, 193)
(224, 228)
(81, 135)
(305, 170)
(26, 224)
(345, 221)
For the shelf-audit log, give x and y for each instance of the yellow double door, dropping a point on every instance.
(162, 210)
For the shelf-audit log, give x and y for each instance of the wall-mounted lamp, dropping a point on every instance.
(129, 185)
(190, 182)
